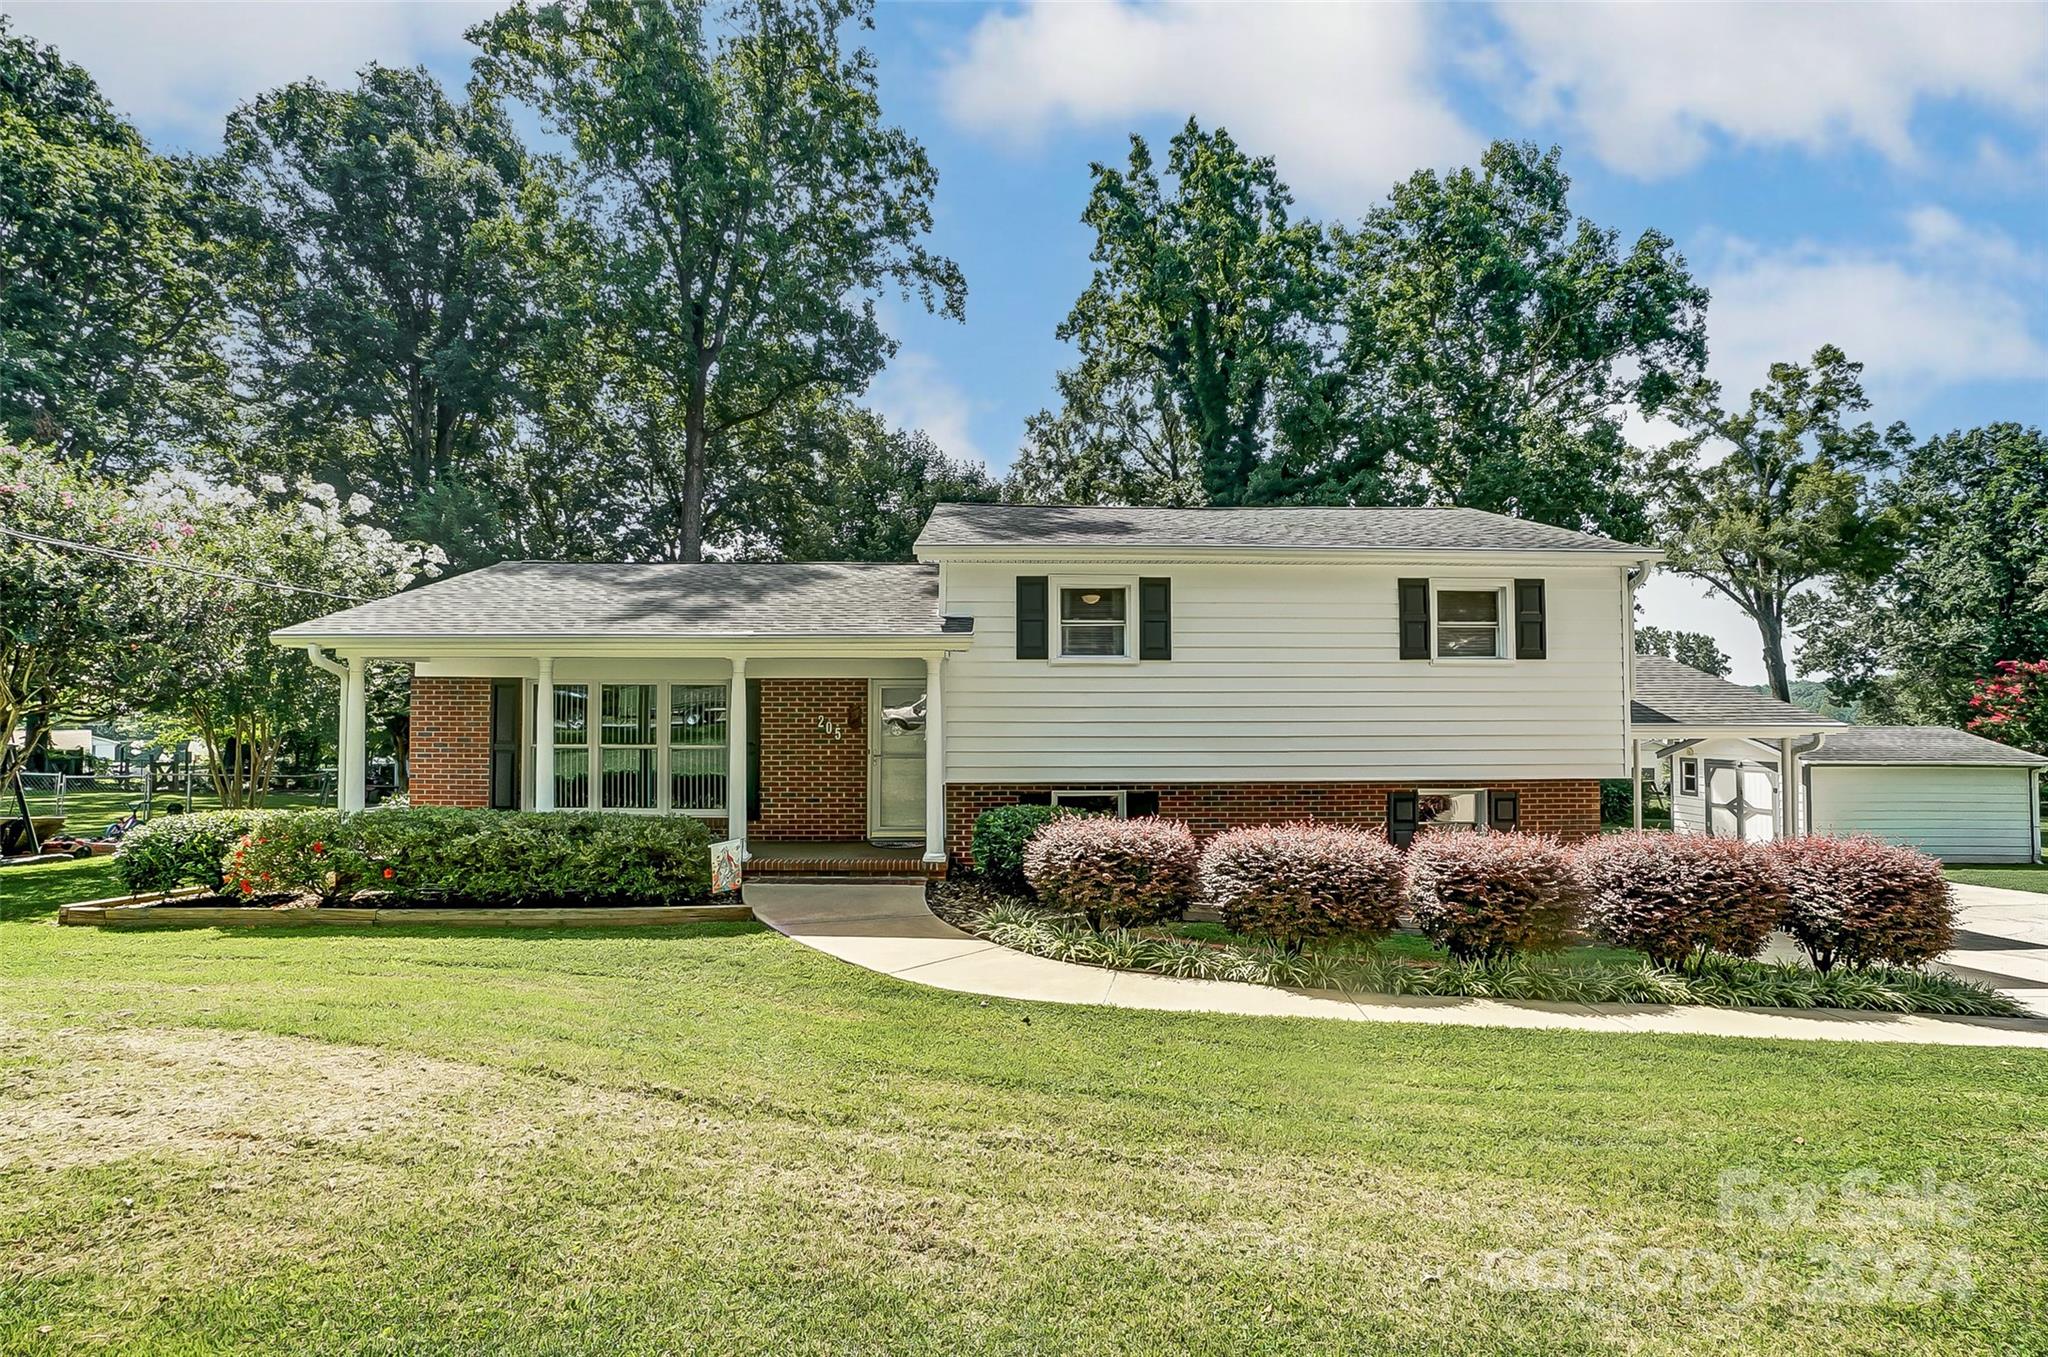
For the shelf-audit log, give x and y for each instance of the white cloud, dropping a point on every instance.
(914, 392)
(178, 68)
(1651, 88)
(1940, 309)
(1345, 97)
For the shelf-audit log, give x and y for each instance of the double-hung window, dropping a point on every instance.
(626, 733)
(1450, 808)
(696, 746)
(1094, 621)
(572, 746)
(1470, 622)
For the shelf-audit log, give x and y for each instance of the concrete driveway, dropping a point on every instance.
(2003, 941)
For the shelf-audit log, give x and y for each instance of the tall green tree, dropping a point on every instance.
(1118, 437)
(1694, 648)
(1970, 590)
(109, 311)
(1492, 344)
(383, 303)
(752, 204)
(1764, 501)
(1205, 288)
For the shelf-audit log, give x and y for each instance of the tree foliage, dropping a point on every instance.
(1763, 501)
(1204, 291)
(1970, 589)
(750, 204)
(382, 293)
(109, 313)
(1694, 648)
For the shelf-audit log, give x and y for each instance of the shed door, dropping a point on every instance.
(1742, 801)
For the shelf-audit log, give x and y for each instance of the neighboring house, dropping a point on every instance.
(1385, 667)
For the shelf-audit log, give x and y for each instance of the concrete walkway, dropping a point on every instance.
(884, 926)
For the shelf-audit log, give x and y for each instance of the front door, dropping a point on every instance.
(896, 758)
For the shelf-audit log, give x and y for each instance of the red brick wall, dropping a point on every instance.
(812, 785)
(1568, 808)
(451, 741)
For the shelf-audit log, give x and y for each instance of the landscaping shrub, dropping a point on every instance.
(183, 850)
(1678, 896)
(1114, 871)
(431, 855)
(1617, 807)
(1294, 882)
(1864, 903)
(999, 839)
(1486, 895)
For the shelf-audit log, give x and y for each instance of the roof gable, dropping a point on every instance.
(1668, 693)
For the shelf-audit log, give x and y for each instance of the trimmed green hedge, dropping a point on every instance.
(438, 855)
(183, 850)
(999, 839)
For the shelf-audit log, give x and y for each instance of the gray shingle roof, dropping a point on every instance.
(1308, 529)
(1672, 694)
(541, 598)
(1916, 744)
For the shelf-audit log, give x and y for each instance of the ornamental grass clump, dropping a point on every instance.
(1858, 902)
(1294, 883)
(1116, 872)
(1676, 897)
(1489, 895)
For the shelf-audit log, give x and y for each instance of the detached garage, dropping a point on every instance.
(1956, 795)
(1720, 749)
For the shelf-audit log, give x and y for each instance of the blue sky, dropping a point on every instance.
(1876, 177)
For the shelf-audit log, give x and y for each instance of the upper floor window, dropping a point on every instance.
(1094, 621)
(1468, 624)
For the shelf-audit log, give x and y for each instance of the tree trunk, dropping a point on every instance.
(1773, 629)
(693, 472)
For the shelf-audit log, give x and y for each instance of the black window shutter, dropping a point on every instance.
(505, 744)
(1531, 635)
(753, 753)
(1503, 809)
(1141, 803)
(1155, 619)
(1401, 814)
(1034, 798)
(1414, 619)
(1031, 617)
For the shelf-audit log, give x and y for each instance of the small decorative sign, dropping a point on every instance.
(725, 866)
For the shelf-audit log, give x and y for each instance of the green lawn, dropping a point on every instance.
(715, 1140)
(89, 813)
(2018, 877)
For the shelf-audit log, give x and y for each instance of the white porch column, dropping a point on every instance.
(934, 760)
(544, 737)
(352, 763)
(736, 756)
(1635, 779)
(1788, 790)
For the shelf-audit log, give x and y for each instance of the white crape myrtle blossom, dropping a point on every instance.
(358, 505)
(273, 484)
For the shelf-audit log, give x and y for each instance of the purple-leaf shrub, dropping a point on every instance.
(1486, 895)
(1117, 872)
(1863, 903)
(1676, 896)
(1294, 882)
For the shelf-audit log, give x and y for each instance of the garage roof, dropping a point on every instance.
(1917, 744)
(1670, 694)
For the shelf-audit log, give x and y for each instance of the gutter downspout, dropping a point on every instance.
(1632, 578)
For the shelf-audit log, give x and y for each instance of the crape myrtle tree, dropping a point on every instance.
(238, 564)
(64, 614)
(749, 202)
(1761, 502)
(110, 314)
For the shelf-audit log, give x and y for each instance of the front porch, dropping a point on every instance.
(801, 857)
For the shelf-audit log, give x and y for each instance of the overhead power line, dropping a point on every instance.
(158, 563)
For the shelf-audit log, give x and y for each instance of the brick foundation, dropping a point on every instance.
(814, 786)
(1570, 809)
(451, 742)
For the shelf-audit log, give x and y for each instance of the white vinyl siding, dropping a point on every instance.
(1287, 673)
(1960, 814)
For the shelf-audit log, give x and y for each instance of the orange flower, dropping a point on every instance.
(319, 847)
(388, 874)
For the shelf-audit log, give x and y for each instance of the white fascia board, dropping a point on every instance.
(1661, 733)
(708, 646)
(1485, 559)
(1824, 762)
